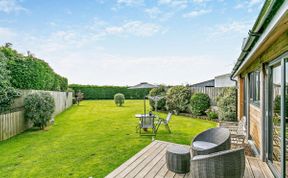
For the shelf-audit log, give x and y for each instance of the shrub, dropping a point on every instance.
(119, 99)
(212, 115)
(178, 98)
(199, 103)
(226, 102)
(159, 91)
(7, 92)
(39, 108)
(108, 92)
(277, 104)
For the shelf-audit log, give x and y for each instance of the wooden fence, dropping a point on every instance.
(14, 123)
(212, 92)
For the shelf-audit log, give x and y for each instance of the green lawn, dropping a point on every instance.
(87, 140)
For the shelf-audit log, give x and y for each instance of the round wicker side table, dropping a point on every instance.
(178, 159)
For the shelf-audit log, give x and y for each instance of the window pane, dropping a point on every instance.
(276, 152)
(286, 119)
(251, 87)
(257, 87)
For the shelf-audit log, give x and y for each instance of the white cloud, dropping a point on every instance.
(235, 26)
(196, 13)
(153, 12)
(249, 4)
(228, 31)
(136, 28)
(9, 6)
(156, 13)
(174, 3)
(130, 2)
(199, 1)
(6, 34)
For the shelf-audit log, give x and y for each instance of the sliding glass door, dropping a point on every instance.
(277, 117)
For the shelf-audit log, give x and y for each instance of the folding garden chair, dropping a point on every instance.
(165, 122)
(147, 122)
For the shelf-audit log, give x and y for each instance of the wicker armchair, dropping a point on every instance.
(223, 164)
(210, 141)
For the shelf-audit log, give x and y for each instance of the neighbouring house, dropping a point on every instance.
(261, 72)
(218, 81)
(208, 83)
(224, 81)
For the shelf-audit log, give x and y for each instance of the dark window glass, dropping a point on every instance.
(254, 88)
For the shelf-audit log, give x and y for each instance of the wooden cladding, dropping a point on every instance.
(255, 124)
(240, 99)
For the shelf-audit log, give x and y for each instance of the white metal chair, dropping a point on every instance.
(147, 122)
(165, 122)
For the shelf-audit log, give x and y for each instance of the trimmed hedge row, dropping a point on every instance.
(7, 92)
(108, 92)
(28, 72)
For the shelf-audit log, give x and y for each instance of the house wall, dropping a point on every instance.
(268, 53)
(224, 81)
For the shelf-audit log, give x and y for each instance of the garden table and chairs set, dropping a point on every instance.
(153, 122)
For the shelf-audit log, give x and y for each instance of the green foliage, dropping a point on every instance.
(226, 102)
(28, 72)
(7, 92)
(39, 108)
(86, 134)
(108, 92)
(159, 91)
(119, 99)
(277, 105)
(212, 115)
(199, 103)
(178, 98)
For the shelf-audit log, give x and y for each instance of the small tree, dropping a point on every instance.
(199, 103)
(39, 108)
(178, 99)
(159, 91)
(119, 99)
(226, 102)
(79, 96)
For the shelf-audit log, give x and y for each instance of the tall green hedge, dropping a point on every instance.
(28, 72)
(108, 92)
(7, 92)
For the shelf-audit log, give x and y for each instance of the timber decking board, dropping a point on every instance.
(151, 162)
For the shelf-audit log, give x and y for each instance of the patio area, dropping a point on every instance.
(150, 162)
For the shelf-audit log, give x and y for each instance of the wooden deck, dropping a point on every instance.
(150, 162)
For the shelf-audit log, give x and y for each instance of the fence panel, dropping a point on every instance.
(14, 123)
(11, 124)
(212, 92)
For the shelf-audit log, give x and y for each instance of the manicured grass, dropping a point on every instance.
(87, 140)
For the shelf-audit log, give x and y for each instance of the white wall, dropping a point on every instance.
(224, 81)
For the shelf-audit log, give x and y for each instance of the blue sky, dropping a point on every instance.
(124, 42)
